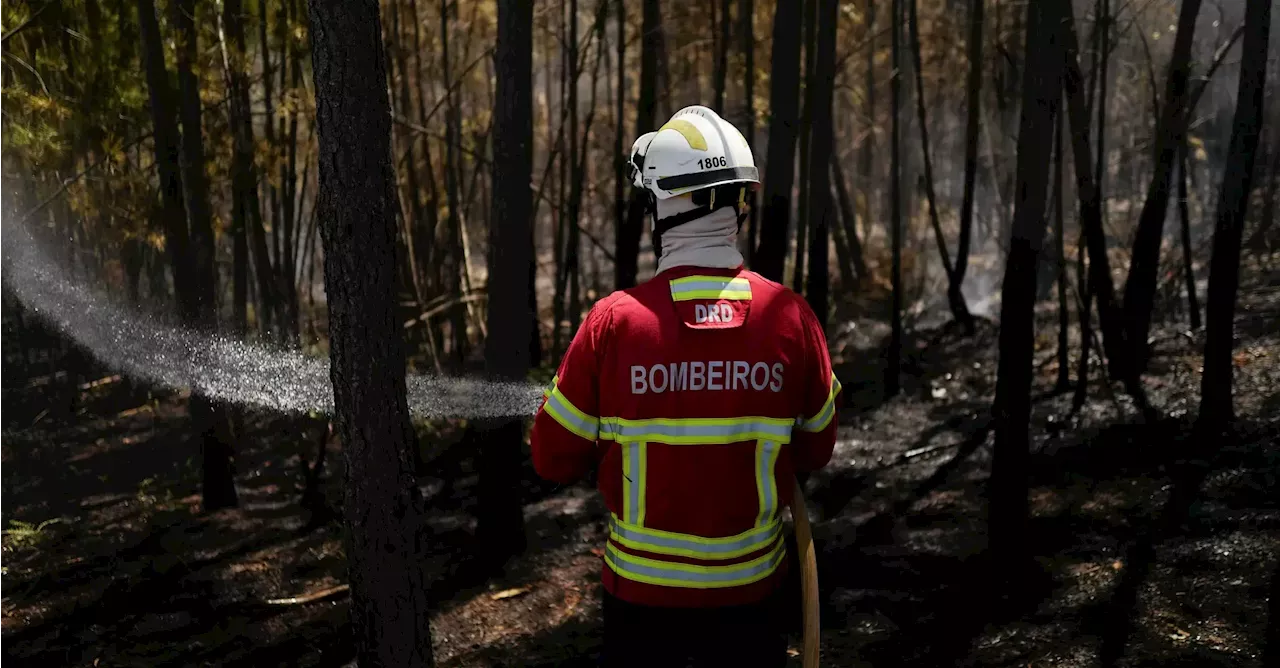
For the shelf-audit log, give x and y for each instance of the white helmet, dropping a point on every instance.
(695, 150)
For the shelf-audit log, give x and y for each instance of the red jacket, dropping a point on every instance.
(699, 395)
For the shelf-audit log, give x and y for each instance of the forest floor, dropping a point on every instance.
(1149, 546)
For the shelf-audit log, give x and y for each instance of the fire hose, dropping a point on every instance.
(808, 578)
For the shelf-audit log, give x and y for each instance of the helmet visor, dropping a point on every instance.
(709, 177)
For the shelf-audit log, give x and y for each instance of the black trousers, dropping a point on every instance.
(746, 636)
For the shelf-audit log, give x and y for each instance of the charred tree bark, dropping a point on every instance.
(1100, 285)
(167, 155)
(722, 54)
(390, 614)
(1140, 288)
(973, 95)
(803, 208)
(784, 110)
(822, 208)
(500, 526)
(192, 267)
(218, 481)
(746, 33)
(1041, 98)
(628, 238)
(1184, 218)
(453, 264)
(955, 299)
(867, 158)
(1060, 254)
(1216, 409)
(849, 218)
(619, 157)
(893, 371)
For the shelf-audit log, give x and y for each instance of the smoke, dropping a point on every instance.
(155, 350)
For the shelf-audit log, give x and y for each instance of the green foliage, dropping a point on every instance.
(24, 535)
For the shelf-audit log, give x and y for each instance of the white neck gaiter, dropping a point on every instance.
(709, 241)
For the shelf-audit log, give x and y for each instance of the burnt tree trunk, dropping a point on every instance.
(1041, 98)
(955, 299)
(619, 155)
(500, 526)
(893, 371)
(192, 268)
(390, 615)
(1233, 201)
(1140, 288)
(806, 129)
(746, 33)
(722, 55)
(628, 237)
(218, 480)
(1184, 220)
(1100, 286)
(821, 206)
(784, 110)
(1060, 253)
(973, 96)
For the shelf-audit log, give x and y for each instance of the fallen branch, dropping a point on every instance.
(310, 598)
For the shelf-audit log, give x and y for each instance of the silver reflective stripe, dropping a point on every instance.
(632, 482)
(695, 576)
(727, 433)
(567, 415)
(768, 486)
(755, 540)
(735, 285)
(820, 421)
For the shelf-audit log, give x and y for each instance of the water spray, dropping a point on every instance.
(157, 350)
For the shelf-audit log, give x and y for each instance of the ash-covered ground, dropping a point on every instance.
(1150, 547)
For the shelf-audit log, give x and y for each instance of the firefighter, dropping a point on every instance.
(696, 396)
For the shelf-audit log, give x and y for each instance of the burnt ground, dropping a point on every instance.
(1150, 546)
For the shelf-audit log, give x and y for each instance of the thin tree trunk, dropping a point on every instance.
(628, 239)
(620, 115)
(390, 614)
(1100, 285)
(1041, 98)
(722, 54)
(1193, 304)
(218, 481)
(231, 26)
(893, 371)
(746, 33)
(849, 217)
(869, 143)
(1060, 254)
(453, 265)
(1216, 408)
(955, 299)
(823, 208)
(806, 129)
(1140, 288)
(973, 95)
(167, 158)
(784, 109)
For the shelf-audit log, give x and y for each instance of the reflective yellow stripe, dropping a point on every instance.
(692, 576)
(823, 418)
(690, 131)
(563, 411)
(696, 431)
(635, 468)
(766, 484)
(690, 545)
(546, 394)
(710, 287)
